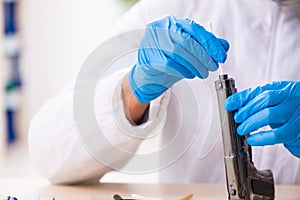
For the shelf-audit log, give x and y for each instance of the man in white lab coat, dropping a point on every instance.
(264, 38)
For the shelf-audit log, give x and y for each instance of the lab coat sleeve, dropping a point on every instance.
(55, 146)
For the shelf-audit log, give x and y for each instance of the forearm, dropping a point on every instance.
(134, 110)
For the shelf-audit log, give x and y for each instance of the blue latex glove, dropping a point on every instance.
(173, 49)
(276, 104)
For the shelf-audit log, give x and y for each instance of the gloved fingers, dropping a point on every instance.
(207, 40)
(270, 137)
(148, 92)
(263, 138)
(260, 119)
(197, 51)
(179, 70)
(291, 129)
(174, 68)
(182, 43)
(171, 32)
(188, 62)
(162, 61)
(294, 148)
(154, 88)
(148, 87)
(275, 125)
(172, 64)
(237, 100)
(164, 73)
(215, 49)
(224, 43)
(287, 133)
(179, 46)
(265, 99)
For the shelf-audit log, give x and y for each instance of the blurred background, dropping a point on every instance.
(43, 45)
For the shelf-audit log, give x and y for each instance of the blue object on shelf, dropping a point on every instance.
(16, 77)
(11, 198)
(10, 125)
(9, 17)
(13, 83)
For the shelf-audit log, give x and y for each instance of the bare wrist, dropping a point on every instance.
(134, 110)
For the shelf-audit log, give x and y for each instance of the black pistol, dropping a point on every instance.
(244, 181)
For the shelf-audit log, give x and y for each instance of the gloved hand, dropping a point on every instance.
(276, 104)
(173, 49)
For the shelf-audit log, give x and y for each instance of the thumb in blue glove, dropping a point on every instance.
(276, 104)
(173, 49)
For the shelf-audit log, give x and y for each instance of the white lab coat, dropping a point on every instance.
(265, 46)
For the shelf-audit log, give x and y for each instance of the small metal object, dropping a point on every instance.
(244, 181)
(233, 192)
(118, 197)
(11, 198)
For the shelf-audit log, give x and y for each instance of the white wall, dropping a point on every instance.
(57, 36)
